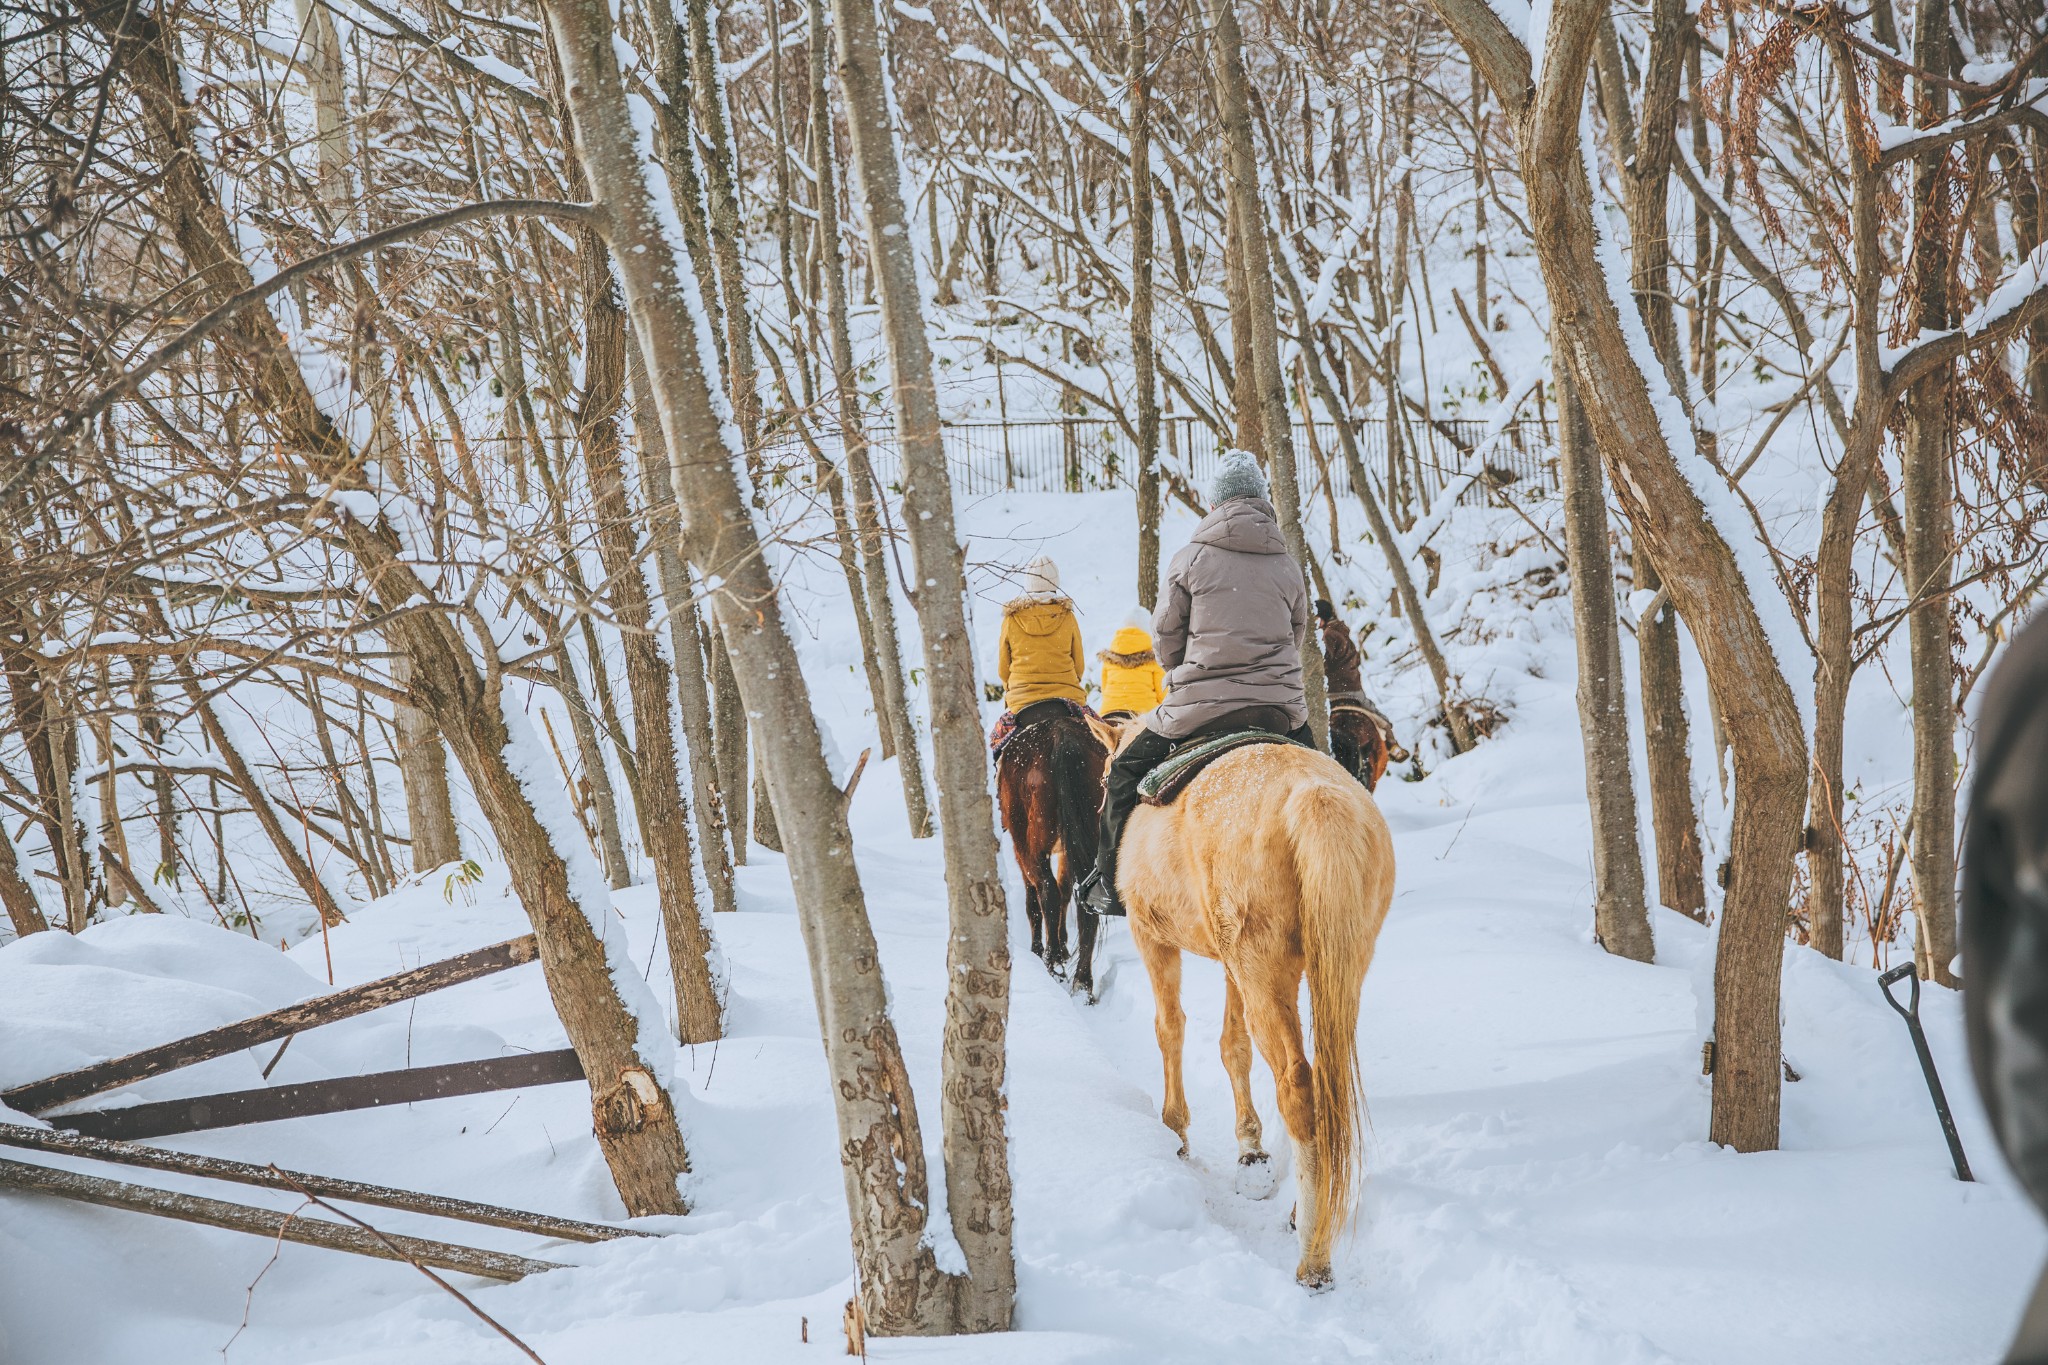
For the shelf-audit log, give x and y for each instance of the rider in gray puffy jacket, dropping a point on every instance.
(1229, 632)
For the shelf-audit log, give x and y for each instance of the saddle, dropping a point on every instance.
(1186, 763)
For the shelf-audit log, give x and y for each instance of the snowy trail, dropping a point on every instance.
(1538, 1188)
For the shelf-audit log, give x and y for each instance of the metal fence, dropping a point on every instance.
(1087, 454)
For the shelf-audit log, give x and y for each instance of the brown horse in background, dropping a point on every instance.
(1049, 787)
(1360, 742)
(1276, 863)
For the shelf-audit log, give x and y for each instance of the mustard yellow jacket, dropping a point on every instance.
(1040, 656)
(1132, 679)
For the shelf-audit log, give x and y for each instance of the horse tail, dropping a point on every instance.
(1337, 840)
(1077, 794)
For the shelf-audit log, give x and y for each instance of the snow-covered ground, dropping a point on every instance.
(1539, 1188)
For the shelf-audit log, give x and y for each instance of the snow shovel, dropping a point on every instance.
(1910, 1012)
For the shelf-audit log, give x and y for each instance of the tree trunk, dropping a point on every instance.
(24, 911)
(47, 734)
(882, 1153)
(1261, 322)
(729, 739)
(978, 951)
(1645, 149)
(1930, 533)
(897, 718)
(766, 832)
(1137, 60)
(423, 768)
(686, 640)
(1833, 574)
(720, 179)
(1621, 922)
(1667, 743)
(597, 774)
(658, 797)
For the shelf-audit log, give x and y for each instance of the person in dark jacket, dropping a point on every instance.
(1350, 708)
(2005, 931)
(1340, 654)
(1228, 631)
(1341, 674)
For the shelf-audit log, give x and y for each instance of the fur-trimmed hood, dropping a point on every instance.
(1130, 648)
(1040, 622)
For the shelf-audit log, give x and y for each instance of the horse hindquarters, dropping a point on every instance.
(1344, 867)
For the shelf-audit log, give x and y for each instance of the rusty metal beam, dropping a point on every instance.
(346, 1093)
(192, 1208)
(327, 1187)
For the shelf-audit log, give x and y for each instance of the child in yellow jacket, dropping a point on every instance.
(1132, 680)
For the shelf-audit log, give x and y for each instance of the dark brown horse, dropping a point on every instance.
(1361, 742)
(1049, 784)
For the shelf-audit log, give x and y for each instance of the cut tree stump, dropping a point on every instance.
(192, 1208)
(373, 1091)
(327, 1187)
(38, 1097)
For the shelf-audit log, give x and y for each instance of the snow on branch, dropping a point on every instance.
(2019, 300)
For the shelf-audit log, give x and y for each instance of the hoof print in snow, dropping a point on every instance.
(1257, 1177)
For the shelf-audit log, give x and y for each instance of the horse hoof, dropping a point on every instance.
(1256, 1178)
(1314, 1281)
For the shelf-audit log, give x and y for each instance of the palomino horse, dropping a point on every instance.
(1276, 863)
(1049, 786)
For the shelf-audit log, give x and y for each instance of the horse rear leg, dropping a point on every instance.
(1059, 889)
(1255, 1174)
(1169, 1023)
(1275, 1026)
(1031, 911)
(1237, 1060)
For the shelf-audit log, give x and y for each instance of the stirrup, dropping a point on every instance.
(1098, 897)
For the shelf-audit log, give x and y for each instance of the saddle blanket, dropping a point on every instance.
(1160, 786)
(1006, 724)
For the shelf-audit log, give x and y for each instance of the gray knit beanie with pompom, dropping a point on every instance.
(1240, 477)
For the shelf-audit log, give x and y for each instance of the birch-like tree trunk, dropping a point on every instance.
(978, 952)
(866, 489)
(658, 797)
(881, 1151)
(686, 638)
(1137, 62)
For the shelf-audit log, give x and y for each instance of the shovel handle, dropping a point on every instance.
(1903, 972)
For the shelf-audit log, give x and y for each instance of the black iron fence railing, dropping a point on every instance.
(1087, 454)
